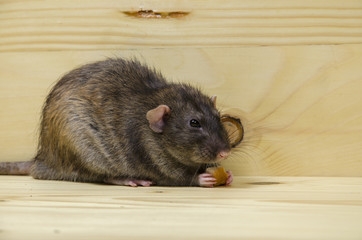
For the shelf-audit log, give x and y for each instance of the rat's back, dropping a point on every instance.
(117, 73)
(86, 119)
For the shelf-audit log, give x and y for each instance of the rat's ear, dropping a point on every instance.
(156, 117)
(213, 99)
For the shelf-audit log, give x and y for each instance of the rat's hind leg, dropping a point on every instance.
(41, 171)
(129, 182)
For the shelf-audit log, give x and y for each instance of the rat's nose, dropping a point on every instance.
(223, 154)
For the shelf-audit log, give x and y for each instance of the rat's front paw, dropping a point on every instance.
(222, 177)
(230, 178)
(206, 180)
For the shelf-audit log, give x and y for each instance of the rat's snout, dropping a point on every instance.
(223, 154)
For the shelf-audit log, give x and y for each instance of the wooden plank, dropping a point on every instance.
(253, 208)
(300, 104)
(95, 25)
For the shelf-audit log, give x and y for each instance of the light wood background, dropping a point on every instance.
(291, 70)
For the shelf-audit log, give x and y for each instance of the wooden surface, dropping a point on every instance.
(94, 25)
(291, 70)
(253, 208)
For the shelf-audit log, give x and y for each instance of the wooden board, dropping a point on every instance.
(300, 102)
(253, 208)
(107, 24)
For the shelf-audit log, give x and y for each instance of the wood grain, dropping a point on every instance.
(93, 25)
(253, 208)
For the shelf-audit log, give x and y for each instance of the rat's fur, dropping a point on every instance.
(94, 127)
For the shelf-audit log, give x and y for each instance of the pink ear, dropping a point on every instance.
(156, 116)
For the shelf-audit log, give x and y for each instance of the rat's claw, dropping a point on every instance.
(130, 183)
(206, 180)
(230, 178)
(143, 183)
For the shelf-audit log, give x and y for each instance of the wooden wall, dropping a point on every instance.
(291, 70)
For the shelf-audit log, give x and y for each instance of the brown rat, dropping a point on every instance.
(119, 122)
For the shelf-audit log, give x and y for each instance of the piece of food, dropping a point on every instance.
(218, 173)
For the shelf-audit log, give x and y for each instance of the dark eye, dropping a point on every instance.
(194, 123)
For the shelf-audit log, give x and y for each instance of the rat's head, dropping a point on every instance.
(190, 127)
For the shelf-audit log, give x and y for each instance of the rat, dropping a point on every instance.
(120, 122)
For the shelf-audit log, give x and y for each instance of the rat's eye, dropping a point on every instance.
(194, 123)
